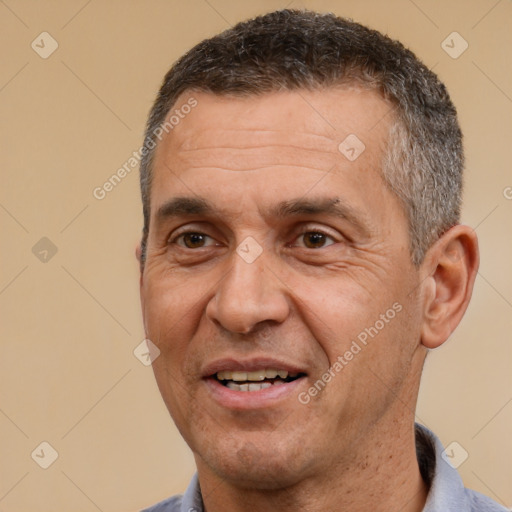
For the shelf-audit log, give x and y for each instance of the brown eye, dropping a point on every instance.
(315, 239)
(193, 240)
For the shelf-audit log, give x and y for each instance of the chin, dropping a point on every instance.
(255, 464)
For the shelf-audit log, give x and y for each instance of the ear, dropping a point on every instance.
(450, 267)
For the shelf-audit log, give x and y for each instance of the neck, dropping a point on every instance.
(386, 477)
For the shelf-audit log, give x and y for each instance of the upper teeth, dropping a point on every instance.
(257, 375)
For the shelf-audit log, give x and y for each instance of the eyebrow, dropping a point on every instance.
(334, 206)
(184, 206)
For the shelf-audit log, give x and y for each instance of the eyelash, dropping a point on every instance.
(306, 231)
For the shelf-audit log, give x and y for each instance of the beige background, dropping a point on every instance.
(70, 324)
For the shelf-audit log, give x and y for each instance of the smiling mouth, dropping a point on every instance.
(255, 380)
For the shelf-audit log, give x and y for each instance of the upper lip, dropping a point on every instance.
(248, 365)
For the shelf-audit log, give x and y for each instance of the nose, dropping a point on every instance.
(250, 293)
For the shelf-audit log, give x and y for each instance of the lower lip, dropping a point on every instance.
(260, 399)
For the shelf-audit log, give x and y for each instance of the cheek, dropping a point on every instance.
(170, 299)
(364, 339)
(169, 313)
(337, 313)
(385, 348)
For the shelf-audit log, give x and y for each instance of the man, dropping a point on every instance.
(301, 253)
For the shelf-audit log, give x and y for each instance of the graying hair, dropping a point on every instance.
(292, 50)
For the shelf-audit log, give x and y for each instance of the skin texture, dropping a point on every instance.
(303, 301)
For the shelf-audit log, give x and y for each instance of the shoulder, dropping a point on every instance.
(172, 504)
(481, 503)
(191, 501)
(446, 489)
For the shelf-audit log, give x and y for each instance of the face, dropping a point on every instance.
(278, 284)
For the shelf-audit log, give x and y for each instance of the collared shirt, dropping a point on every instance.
(446, 490)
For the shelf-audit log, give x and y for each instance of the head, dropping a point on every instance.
(290, 50)
(300, 214)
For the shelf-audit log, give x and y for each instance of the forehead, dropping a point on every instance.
(282, 139)
(310, 119)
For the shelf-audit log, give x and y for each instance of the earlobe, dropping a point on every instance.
(452, 264)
